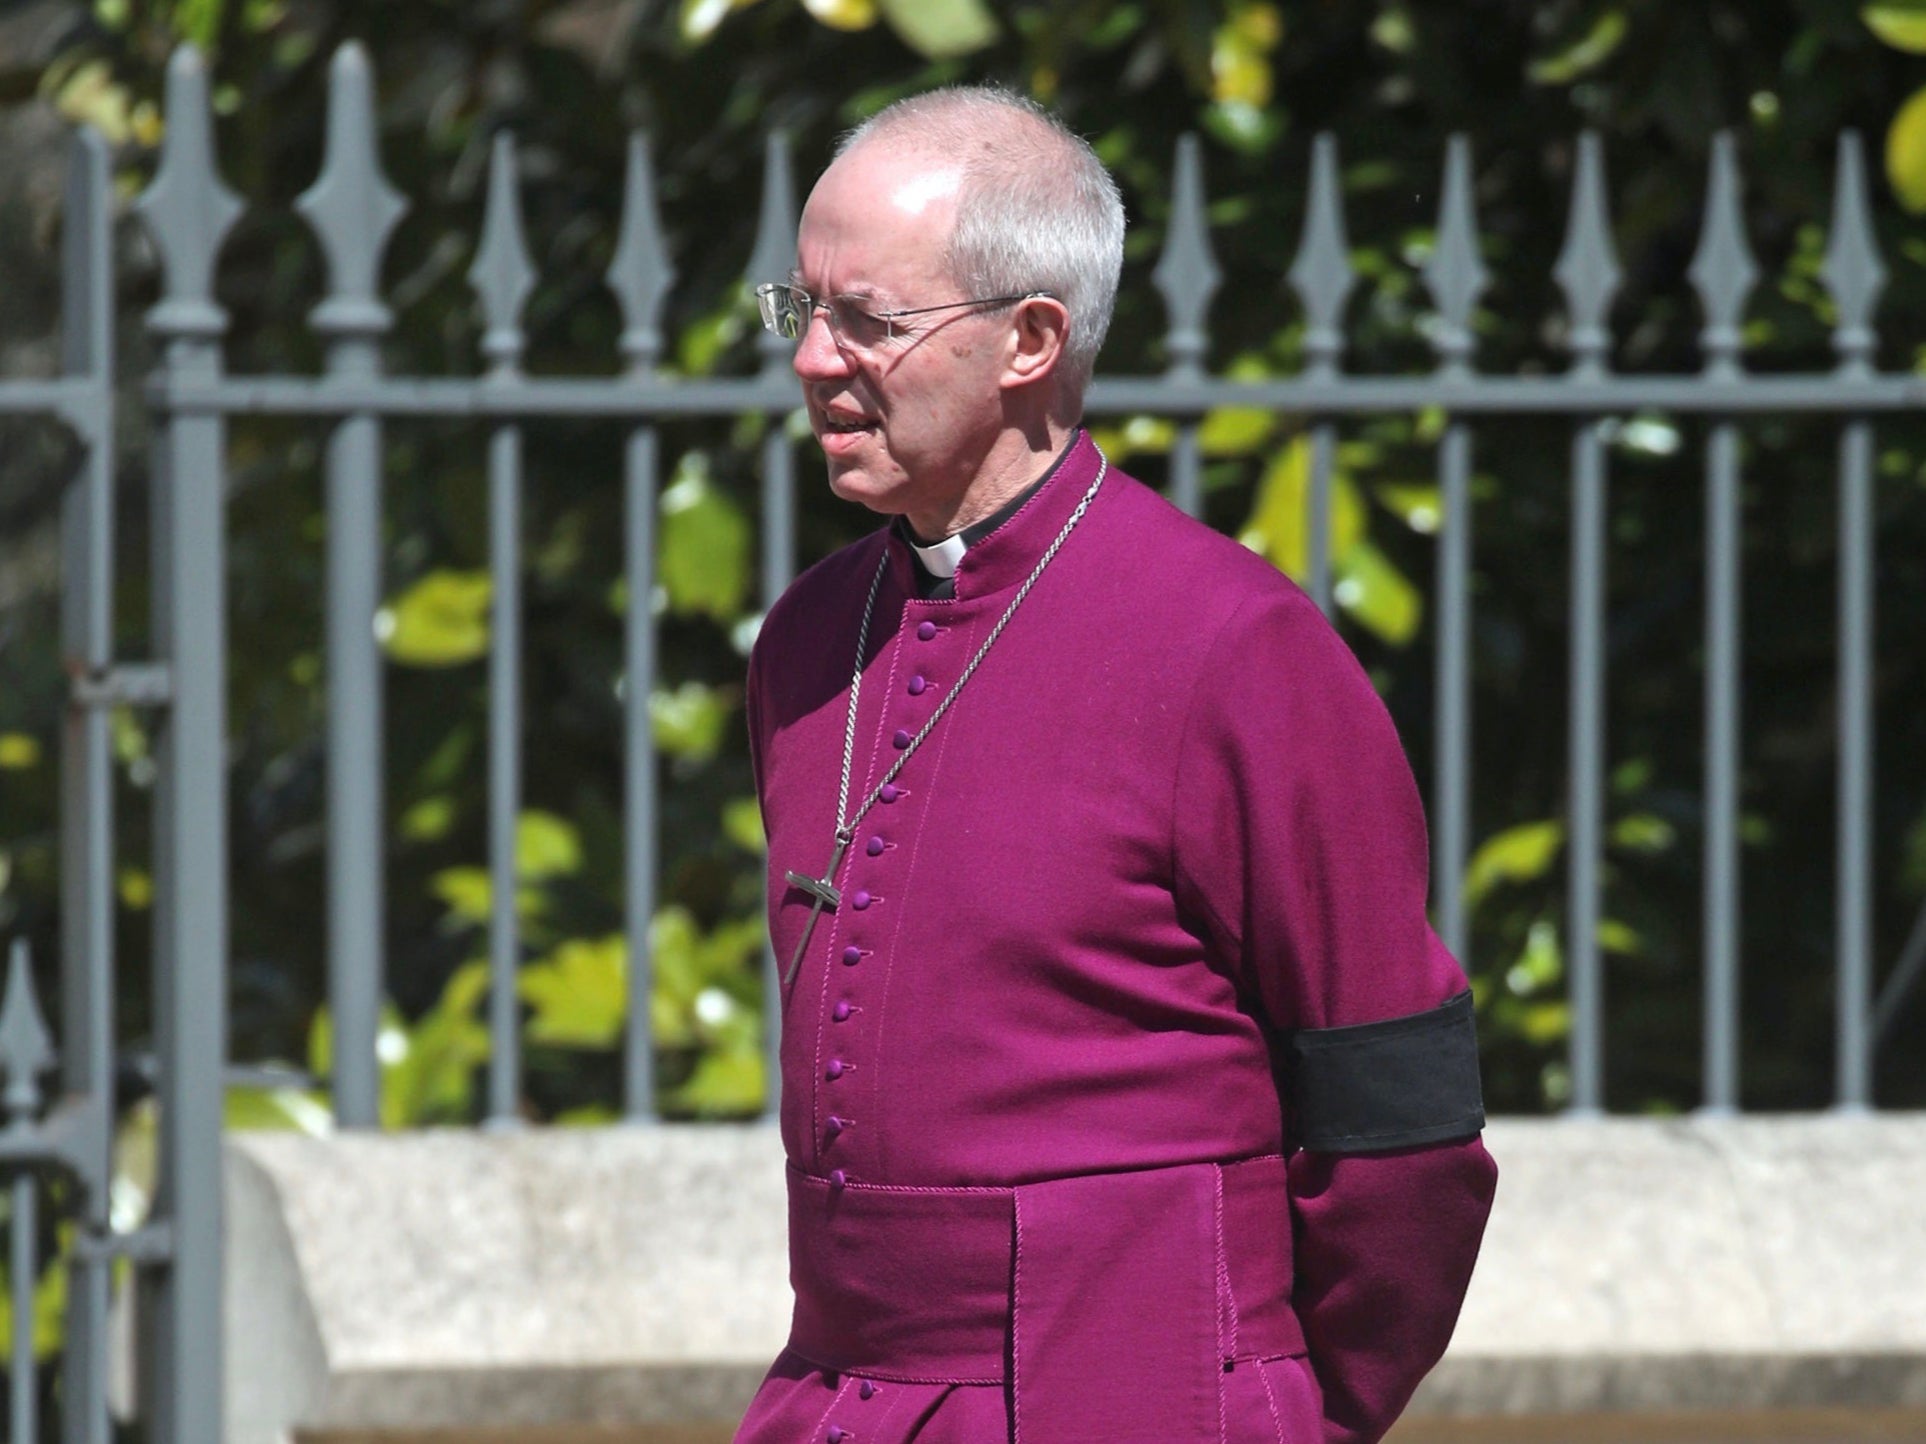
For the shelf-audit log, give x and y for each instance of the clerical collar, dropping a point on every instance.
(938, 561)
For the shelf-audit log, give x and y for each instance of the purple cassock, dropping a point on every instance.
(1126, 1092)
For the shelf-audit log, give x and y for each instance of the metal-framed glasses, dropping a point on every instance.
(786, 312)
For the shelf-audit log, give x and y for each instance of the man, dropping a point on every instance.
(1126, 1092)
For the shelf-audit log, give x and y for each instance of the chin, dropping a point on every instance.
(858, 485)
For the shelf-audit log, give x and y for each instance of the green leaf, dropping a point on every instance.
(1518, 854)
(579, 993)
(1541, 964)
(279, 1109)
(18, 751)
(429, 820)
(701, 18)
(1235, 431)
(1906, 153)
(742, 825)
(1592, 50)
(1621, 938)
(1278, 526)
(843, 14)
(690, 721)
(705, 551)
(428, 1072)
(441, 621)
(724, 1083)
(1900, 25)
(465, 891)
(941, 29)
(1417, 504)
(546, 846)
(1371, 588)
(1643, 832)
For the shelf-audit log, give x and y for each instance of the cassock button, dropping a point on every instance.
(837, 1178)
(835, 1435)
(833, 1125)
(874, 847)
(917, 684)
(834, 1070)
(840, 1012)
(852, 956)
(888, 792)
(861, 900)
(901, 739)
(866, 1389)
(925, 631)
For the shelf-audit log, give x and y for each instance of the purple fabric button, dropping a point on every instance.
(874, 847)
(837, 1178)
(833, 1125)
(925, 631)
(901, 739)
(835, 1435)
(889, 792)
(917, 684)
(861, 901)
(866, 1389)
(840, 1012)
(852, 956)
(835, 1069)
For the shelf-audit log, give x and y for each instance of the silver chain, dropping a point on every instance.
(845, 820)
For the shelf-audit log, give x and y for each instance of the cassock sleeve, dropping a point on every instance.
(1301, 851)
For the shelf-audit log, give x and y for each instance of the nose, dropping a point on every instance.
(818, 356)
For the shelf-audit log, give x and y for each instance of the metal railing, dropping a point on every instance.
(352, 211)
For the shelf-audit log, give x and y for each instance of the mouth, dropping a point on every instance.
(847, 425)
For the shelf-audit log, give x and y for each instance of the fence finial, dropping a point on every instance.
(641, 271)
(774, 256)
(1587, 268)
(1322, 274)
(1723, 271)
(1853, 270)
(187, 208)
(1455, 274)
(351, 207)
(1187, 272)
(26, 1048)
(502, 275)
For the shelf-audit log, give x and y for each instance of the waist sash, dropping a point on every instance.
(1109, 1304)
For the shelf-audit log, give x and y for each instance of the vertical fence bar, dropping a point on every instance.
(1722, 770)
(1853, 1087)
(1453, 763)
(503, 277)
(1587, 749)
(1455, 275)
(1723, 273)
(188, 211)
(1321, 275)
(640, 275)
(23, 1413)
(352, 210)
(1187, 274)
(773, 258)
(86, 776)
(1855, 274)
(1588, 272)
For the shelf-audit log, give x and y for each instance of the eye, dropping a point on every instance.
(856, 325)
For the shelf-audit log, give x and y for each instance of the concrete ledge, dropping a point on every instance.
(637, 1277)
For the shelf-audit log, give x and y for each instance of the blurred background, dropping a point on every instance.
(708, 82)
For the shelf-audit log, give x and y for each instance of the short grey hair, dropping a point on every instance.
(1038, 211)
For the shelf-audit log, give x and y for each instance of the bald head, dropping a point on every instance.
(1035, 208)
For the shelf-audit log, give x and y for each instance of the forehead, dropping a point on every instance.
(878, 221)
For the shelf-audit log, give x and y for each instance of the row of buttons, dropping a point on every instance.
(861, 900)
(836, 1434)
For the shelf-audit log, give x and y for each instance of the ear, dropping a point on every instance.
(1038, 332)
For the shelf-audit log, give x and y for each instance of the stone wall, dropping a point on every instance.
(637, 1276)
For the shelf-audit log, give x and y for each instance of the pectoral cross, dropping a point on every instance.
(823, 889)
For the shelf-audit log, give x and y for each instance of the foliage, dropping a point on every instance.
(706, 79)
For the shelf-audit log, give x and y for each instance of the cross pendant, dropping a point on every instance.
(823, 889)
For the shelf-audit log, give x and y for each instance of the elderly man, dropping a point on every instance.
(1126, 1092)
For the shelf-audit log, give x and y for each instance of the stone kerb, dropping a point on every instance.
(638, 1276)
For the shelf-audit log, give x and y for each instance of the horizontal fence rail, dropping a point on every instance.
(352, 211)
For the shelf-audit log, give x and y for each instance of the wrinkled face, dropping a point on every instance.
(907, 419)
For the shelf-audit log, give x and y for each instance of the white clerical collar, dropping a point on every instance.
(940, 560)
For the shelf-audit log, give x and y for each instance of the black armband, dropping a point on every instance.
(1399, 1083)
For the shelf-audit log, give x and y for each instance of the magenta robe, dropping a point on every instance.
(1040, 1181)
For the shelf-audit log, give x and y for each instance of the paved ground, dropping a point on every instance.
(1823, 1426)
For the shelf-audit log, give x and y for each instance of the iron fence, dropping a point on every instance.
(351, 209)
